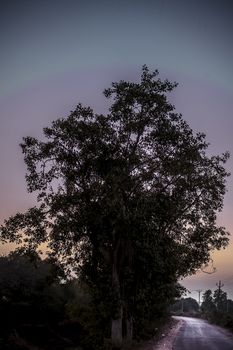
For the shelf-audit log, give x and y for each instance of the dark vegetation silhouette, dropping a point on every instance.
(187, 306)
(217, 308)
(127, 201)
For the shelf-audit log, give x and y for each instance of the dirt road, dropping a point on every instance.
(196, 334)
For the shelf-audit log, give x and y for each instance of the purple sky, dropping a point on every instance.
(55, 54)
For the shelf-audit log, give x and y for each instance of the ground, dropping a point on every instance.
(166, 338)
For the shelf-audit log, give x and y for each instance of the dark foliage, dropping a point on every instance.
(185, 305)
(217, 308)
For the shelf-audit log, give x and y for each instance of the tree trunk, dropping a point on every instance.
(116, 330)
(129, 330)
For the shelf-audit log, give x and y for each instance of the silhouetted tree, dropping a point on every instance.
(220, 300)
(230, 306)
(217, 308)
(30, 292)
(131, 197)
(208, 306)
(24, 273)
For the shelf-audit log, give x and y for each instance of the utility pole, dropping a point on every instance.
(199, 296)
(219, 285)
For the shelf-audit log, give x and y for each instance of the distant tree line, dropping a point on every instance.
(41, 309)
(185, 305)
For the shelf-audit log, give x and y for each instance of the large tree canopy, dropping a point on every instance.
(131, 196)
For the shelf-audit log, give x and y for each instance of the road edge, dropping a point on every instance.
(166, 338)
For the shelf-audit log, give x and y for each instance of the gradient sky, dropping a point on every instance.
(55, 54)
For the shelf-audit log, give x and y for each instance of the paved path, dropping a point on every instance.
(196, 334)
